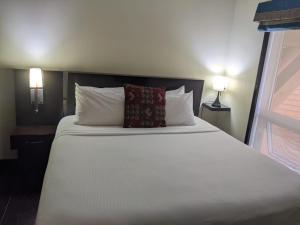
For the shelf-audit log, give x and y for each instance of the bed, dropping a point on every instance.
(179, 175)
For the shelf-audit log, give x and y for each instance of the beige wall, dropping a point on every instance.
(7, 112)
(243, 58)
(173, 38)
(151, 37)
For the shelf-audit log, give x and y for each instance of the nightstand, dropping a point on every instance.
(33, 144)
(209, 106)
(218, 116)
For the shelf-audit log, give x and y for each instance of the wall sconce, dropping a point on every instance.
(36, 88)
(220, 84)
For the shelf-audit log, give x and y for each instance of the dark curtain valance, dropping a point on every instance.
(278, 15)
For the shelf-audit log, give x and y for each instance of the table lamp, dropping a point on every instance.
(220, 84)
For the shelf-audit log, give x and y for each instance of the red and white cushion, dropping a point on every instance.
(144, 106)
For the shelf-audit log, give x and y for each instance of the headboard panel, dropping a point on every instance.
(114, 80)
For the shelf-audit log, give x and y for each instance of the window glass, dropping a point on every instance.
(285, 146)
(276, 131)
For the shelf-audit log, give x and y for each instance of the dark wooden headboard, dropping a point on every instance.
(115, 80)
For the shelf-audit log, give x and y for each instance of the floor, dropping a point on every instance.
(17, 206)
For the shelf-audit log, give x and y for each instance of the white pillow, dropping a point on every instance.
(179, 110)
(178, 91)
(106, 89)
(105, 106)
(99, 106)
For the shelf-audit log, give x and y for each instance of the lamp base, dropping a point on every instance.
(36, 98)
(217, 103)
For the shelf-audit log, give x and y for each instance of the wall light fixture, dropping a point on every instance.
(36, 88)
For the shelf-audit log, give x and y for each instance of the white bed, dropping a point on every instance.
(163, 176)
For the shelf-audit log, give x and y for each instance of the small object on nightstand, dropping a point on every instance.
(33, 144)
(212, 108)
(209, 106)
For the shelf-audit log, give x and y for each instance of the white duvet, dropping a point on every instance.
(163, 176)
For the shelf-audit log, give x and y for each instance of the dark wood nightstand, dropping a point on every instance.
(209, 106)
(33, 144)
(217, 116)
(212, 108)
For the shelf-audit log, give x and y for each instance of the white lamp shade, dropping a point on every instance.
(220, 83)
(35, 78)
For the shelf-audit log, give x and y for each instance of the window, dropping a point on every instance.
(276, 127)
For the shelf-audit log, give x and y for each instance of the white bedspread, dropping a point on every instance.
(164, 176)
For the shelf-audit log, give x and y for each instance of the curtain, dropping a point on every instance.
(278, 15)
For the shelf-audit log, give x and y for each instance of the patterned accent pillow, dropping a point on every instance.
(144, 106)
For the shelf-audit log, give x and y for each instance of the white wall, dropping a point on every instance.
(150, 37)
(7, 112)
(172, 38)
(242, 65)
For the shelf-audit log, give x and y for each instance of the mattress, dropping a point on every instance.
(195, 175)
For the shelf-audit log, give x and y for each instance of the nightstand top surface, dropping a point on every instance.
(212, 108)
(34, 130)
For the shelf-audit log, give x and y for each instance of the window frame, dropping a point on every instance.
(264, 117)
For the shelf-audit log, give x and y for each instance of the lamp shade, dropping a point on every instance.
(35, 78)
(220, 83)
